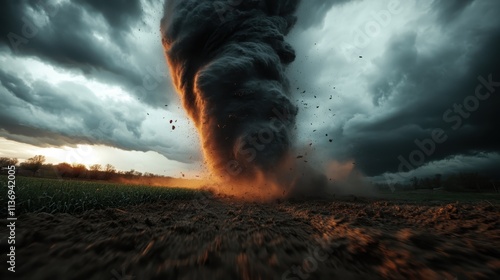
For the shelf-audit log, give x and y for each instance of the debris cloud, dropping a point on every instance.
(227, 59)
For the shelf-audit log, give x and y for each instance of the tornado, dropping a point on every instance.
(227, 60)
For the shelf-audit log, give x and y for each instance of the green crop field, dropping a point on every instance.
(69, 196)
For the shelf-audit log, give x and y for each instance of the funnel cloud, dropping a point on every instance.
(227, 60)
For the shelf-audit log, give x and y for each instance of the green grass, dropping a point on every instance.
(65, 196)
(441, 196)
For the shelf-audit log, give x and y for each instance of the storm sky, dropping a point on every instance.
(87, 80)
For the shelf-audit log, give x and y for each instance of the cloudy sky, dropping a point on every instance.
(393, 86)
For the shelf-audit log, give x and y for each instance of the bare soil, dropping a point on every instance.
(220, 238)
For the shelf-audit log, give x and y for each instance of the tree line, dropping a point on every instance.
(37, 167)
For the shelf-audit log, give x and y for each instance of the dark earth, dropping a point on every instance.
(222, 238)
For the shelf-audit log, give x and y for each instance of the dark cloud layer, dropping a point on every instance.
(93, 38)
(40, 114)
(64, 34)
(449, 10)
(313, 12)
(120, 14)
(419, 91)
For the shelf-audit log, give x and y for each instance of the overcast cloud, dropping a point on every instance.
(384, 73)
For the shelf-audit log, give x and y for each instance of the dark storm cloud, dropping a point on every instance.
(44, 115)
(229, 67)
(64, 34)
(449, 10)
(51, 102)
(37, 137)
(120, 14)
(417, 92)
(313, 12)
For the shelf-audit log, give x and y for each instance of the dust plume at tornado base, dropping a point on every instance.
(227, 60)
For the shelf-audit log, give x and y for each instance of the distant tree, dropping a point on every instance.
(79, 170)
(109, 168)
(64, 169)
(130, 174)
(95, 167)
(48, 170)
(33, 164)
(5, 161)
(109, 171)
(95, 170)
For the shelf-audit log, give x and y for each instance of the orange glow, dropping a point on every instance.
(196, 109)
(166, 182)
(346, 180)
(340, 171)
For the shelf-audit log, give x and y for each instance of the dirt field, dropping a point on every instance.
(220, 238)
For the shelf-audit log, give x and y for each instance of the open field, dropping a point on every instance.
(185, 234)
(68, 196)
